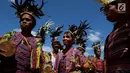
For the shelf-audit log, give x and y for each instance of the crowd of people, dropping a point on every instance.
(21, 52)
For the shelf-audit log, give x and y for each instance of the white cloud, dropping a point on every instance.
(94, 36)
(89, 48)
(12, 0)
(102, 48)
(46, 48)
(86, 54)
(17, 30)
(34, 33)
(98, 33)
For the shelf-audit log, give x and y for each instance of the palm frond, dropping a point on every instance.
(44, 30)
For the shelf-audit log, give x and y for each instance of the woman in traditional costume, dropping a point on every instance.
(66, 61)
(56, 45)
(28, 48)
(97, 61)
(116, 51)
(81, 40)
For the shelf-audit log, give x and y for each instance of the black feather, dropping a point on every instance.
(57, 32)
(28, 5)
(81, 33)
(96, 45)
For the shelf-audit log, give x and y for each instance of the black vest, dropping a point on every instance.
(117, 46)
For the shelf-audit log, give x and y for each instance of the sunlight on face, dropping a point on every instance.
(26, 22)
(67, 39)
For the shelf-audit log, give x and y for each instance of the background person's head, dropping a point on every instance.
(97, 52)
(68, 39)
(97, 48)
(56, 45)
(81, 49)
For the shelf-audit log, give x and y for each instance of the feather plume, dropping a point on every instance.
(28, 6)
(96, 45)
(81, 33)
(44, 30)
(57, 32)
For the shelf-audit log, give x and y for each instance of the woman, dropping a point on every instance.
(56, 45)
(98, 62)
(28, 48)
(68, 60)
(116, 51)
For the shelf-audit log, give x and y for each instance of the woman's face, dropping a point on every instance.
(111, 13)
(67, 39)
(56, 45)
(81, 50)
(26, 22)
(98, 53)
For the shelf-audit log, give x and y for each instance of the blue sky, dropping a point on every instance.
(62, 12)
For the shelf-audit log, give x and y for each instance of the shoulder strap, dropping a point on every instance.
(17, 39)
(29, 46)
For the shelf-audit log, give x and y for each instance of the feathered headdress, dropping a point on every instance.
(29, 7)
(56, 33)
(44, 30)
(96, 45)
(81, 43)
(72, 29)
(81, 34)
(105, 2)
